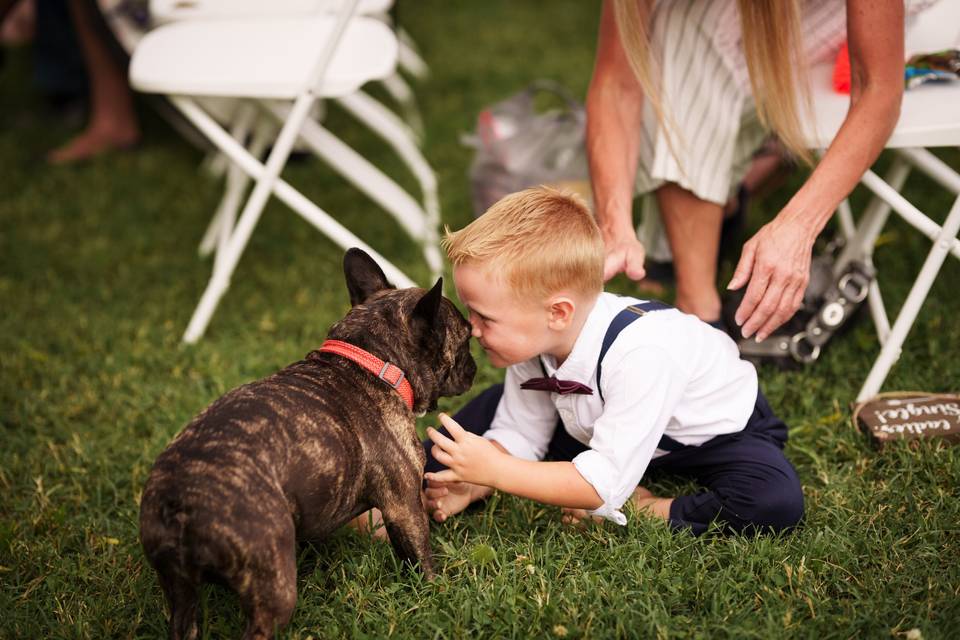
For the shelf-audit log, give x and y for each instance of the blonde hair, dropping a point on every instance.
(540, 240)
(773, 50)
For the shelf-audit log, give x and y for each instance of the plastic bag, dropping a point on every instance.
(517, 147)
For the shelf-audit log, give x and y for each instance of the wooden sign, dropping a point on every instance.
(910, 416)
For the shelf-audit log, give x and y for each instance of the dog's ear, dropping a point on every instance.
(429, 305)
(364, 276)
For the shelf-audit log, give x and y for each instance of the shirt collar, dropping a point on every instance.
(581, 364)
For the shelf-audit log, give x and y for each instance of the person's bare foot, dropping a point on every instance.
(577, 517)
(443, 500)
(93, 142)
(652, 505)
(371, 524)
(642, 499)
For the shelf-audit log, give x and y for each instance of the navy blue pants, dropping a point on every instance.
(750, 485)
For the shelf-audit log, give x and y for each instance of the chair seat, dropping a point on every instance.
(260, 57)
(929, 115)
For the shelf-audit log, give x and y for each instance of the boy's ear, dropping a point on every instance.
(364, 276)
(562, 310)
(429, 305)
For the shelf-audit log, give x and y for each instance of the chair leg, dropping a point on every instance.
(258, 146)
(235, 185)
(286, 193)
(400, 137)
(871, 223)
(393, 131)
(364, 176)
(400, 91)
(223, 269)
(911, 307)
(410, 59)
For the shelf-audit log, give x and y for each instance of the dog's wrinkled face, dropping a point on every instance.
(456, 367)
(423, 331)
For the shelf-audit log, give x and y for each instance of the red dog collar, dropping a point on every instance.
(389, 373)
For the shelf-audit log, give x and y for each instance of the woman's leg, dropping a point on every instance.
(693, 229)
(112, 121)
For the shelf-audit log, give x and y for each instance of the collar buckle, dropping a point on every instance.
(391, 369)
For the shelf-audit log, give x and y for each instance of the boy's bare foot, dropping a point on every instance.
(644, 500)
(91, 143)
(577, 517)
(370, 523)
(445, 499)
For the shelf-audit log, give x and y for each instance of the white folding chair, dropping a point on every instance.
(281, 66)
(930, 117)
(401, 136)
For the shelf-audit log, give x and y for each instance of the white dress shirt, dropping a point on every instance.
(666, 373)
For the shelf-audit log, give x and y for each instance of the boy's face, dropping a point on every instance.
(509, 330)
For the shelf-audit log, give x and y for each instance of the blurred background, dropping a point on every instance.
(99, 275)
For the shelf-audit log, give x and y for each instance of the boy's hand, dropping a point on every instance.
(468, 457)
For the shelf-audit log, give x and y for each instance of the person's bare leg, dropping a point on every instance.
(655, 506)
(643, 500)
(112, 121)
(370, 523)
(693, 229)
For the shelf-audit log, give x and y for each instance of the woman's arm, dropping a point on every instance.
(776, 261)
(614, 125)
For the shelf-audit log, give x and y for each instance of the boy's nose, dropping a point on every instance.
(474, 326)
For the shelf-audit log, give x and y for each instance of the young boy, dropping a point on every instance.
(636, 386)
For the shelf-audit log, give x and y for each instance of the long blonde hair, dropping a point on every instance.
(774, 53)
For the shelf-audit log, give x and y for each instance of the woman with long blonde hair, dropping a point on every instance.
(685, 91)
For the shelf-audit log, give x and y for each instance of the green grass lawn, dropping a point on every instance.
(99, 275)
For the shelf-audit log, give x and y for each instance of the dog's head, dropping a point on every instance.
(419, 331)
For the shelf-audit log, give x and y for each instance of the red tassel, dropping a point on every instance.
(841, 71)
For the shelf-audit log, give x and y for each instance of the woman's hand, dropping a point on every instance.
(625, 254)
(776, 263)
(467, 456)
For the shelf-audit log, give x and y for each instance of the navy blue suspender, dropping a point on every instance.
(618, 324)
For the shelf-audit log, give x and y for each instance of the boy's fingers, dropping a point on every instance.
(447, 475)
(436, 492)
(439, 439)
(441, 456)
(453, 428)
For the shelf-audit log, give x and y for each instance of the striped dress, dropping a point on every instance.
(706, 92)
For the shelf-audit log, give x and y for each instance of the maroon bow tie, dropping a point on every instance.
(556, 386)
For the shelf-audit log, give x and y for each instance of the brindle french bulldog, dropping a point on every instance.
(298, 454)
